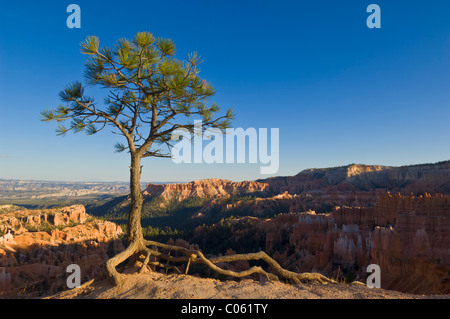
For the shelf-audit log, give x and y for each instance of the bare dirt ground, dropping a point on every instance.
(159, 286)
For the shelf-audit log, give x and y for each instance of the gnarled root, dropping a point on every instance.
(196, 256)
(289, 275)
(112, 263)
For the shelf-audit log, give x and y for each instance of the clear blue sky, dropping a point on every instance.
(338, 91)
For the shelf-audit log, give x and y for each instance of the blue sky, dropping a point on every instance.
(338, 91)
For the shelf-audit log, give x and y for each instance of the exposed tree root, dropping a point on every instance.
(165, 266)
(112, 263)
(197, 257)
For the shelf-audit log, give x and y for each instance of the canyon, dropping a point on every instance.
(335, 221)
(36, 246)
(319, 189)
(416, 179)
(407, 236)
(351, 180)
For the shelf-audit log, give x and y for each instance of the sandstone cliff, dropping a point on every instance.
(206, 188)
(416, 179)
(408, 236)
(37, 246)
(317, 189)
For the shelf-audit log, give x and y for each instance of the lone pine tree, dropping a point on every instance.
(150, 94)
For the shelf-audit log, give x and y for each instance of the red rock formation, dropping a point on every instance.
(36, 218)
(421, 238)
(39, 245)
(206, 188)
(312, 189)
(409, 237)
(75, 213)
(417, 179)
(286, 203)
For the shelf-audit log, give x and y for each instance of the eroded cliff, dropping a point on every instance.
(37, 246)
(408, 236)
(206, 188)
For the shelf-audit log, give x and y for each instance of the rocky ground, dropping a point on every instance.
(155, 285)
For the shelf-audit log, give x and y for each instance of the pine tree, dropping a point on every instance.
(151, 94)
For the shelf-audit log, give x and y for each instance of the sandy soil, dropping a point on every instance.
(159, 286)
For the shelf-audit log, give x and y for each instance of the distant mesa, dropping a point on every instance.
(205, 188)
(354, 178)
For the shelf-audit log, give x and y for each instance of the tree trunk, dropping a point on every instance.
(134, 231)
